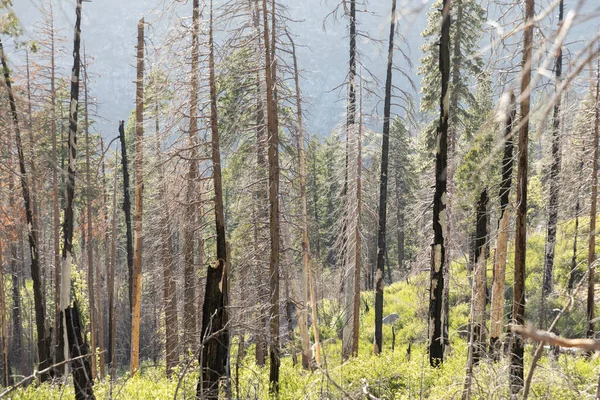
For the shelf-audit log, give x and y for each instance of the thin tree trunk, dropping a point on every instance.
(576, 234)
(499, 273)
(72, 335)
(592, 235)
(347, 256)
(273, 157)
(55, 204)
(478, 319)
(383, 183)
(101, 346)
(139, 187)
(44, 340)
(215, 335)
(90, 230)
(438, 252)
(400, 224)
(190, 305)
(518, 311)
(303, 312)
(169, 288)
(554, 184)
(112, 318)
(453, 124)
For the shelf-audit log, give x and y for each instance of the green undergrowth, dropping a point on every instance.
(403, 373)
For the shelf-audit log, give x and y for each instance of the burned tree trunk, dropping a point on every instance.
(553, 178)
(215, 334)
(139, 187)
(383, 184)
(499, 273)
(44, 340)
(127, 209)
(71, 330)
(518, 311)
(478, 324)
(438, 251)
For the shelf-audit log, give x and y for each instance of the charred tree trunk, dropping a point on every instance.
(499, 273)
(554, 184)
(127, 209)
(438, 252)
(383, 184)
(71, 330)
(44, 340)
(215, 335)
(518, 311)
(478, 324)
(139, 187)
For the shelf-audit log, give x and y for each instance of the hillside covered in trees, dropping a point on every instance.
(342, 199)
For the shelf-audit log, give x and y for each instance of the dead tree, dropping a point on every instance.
(215, 334)
(518, 311)
(438, 251)
(499, 273)
(383, 184)
(139, 187)
(71, 329)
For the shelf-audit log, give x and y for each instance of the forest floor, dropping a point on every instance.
(401, 373)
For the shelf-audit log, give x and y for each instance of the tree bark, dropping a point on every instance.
(127, 210)
(554, 184)
(499, 273)
(438, 253)
(383, 184)
(44, 340)
(518, 311)
(478, 324)
(273, 157)
(139, 187)
(215, 335)
(71, 330)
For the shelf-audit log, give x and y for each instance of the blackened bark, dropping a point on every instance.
(82, 371)
(215, 334)
(576, 234)
(554, 171)
(127, 207)
(383, 183)
(438, 251)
